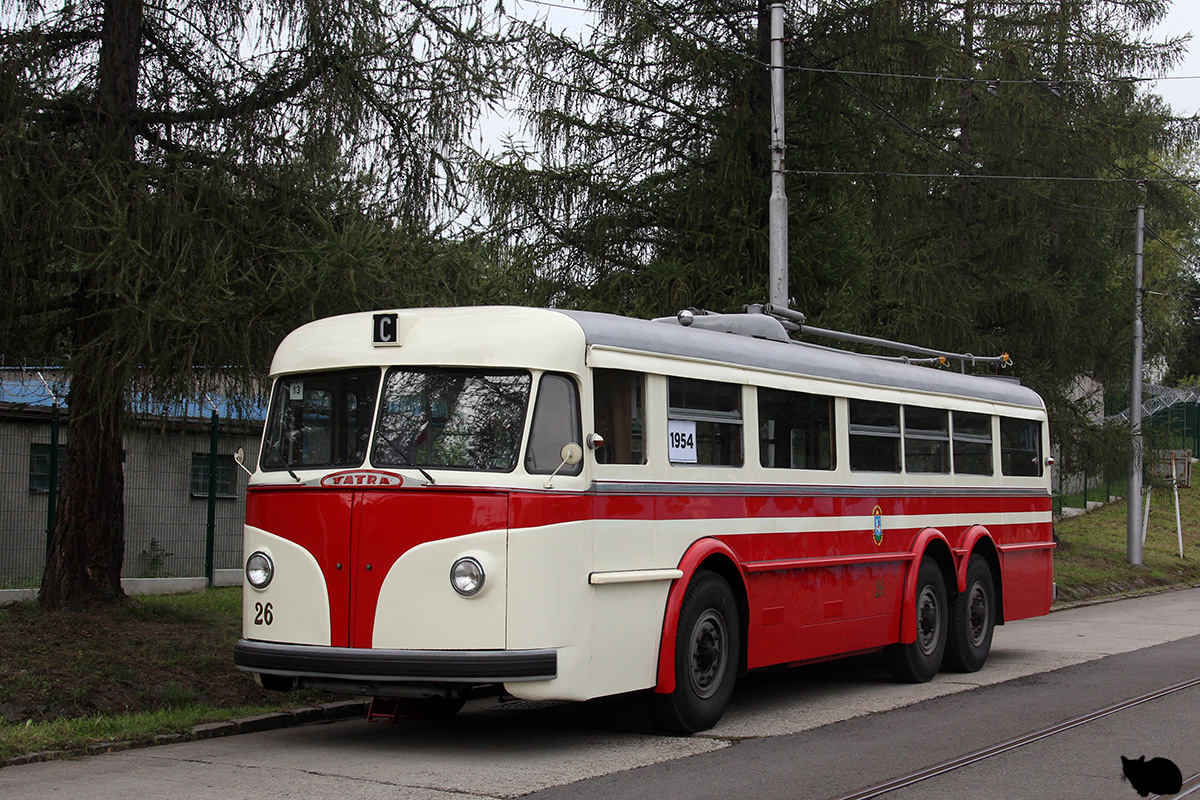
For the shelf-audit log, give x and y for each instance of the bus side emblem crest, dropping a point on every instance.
(878, 532)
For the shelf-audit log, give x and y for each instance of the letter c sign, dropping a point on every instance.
(386, 330)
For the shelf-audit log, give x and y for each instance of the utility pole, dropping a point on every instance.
(778, 207)
(1133, 518)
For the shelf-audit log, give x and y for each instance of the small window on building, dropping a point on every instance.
(704, 423)
(39, 467)
(618, 412)
(972, 443)
(874, 436)
(555, 423)
(795, 430)
(225, 470)
(926, 440)
(1020, 447)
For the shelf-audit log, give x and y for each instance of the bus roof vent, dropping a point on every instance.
(760, 326)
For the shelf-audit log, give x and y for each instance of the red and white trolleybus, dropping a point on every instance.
(570, 504)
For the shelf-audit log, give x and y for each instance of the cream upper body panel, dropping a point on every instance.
(486, 336)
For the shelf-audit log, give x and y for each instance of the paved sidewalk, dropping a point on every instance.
(1026, 647)
(490, 751)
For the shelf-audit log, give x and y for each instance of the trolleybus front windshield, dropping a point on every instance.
(451, 418)
(321, 420)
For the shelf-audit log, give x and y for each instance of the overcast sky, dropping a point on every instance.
(1183, 93)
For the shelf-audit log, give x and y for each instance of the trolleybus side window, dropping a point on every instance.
(555, 423)
(704, 422)
(972, 443)
(456, 418)
(795, 430)
(1020, 447)
(321, 419)
(874, 436)
(618, 409)
(926, 440)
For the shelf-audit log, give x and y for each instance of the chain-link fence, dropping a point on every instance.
(1170, 422)
(166, 470)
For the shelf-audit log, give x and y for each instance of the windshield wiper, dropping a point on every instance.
(404, 457)
(279, 453)
(409, 462)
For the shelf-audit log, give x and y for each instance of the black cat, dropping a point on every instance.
(1157, 775)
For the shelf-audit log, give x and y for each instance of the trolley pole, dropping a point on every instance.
(1134, 535)
(778, 205)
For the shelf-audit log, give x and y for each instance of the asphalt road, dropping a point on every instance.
(818, 732)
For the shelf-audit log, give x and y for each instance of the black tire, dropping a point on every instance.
(972, 619)
(707, 648)
(920, 660)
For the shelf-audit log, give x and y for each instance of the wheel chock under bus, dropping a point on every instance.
(384, 709)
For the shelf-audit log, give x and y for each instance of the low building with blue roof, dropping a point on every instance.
(166, 465)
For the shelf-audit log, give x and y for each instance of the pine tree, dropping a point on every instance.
(183, 180)
(928, 143)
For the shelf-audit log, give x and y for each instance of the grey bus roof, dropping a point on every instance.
(792, 357)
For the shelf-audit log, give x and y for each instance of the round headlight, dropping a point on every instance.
(259, 569)
(466, 576)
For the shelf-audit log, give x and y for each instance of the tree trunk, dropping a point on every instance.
(87, 544)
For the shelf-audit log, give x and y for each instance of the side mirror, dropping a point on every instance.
(239, 456)
(571, 454)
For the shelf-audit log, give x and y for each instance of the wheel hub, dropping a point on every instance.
(978, 611)
(929, 620)
(708, 654)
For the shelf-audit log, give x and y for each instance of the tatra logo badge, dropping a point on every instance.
(363, 477)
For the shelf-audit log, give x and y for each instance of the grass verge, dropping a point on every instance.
(1090, 561)
(158, 665)
(161, 665)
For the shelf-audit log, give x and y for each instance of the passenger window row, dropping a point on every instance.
(796, 431)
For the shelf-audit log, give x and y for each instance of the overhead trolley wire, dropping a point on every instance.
(886, 173)
(1189, 260)
(1049, 83)
(963, 165)
(917, 135)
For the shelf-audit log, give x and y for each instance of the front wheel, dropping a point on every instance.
(707, 648)
(919, 660)
(972, 619)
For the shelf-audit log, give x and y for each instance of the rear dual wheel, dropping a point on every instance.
(955, 633)
(972, 619)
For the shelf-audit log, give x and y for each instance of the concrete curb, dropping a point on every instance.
(1127, 595)
(274, 720)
